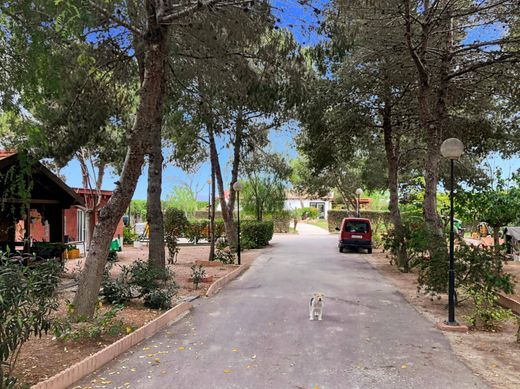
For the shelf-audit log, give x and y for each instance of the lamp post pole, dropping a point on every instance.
(358, 193)
(452, 149)
(238, 187)
(209, 214)
(451, 287)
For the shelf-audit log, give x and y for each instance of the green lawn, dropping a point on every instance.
(319, 223)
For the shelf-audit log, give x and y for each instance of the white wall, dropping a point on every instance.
(295, 204)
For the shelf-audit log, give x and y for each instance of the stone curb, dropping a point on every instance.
(218, 284)
(74, 373)
(508, 302)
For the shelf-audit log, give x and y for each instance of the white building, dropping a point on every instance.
(323, 204)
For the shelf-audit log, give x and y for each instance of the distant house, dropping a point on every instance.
(29, 209)
(76, 224)
(323, 204)
(57, 212)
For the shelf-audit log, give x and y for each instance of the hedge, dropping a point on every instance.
(204, 215)
(282, 221)
(335, 216)
(255, 234)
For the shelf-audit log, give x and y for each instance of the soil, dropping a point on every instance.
(494, 356)
(35, 365)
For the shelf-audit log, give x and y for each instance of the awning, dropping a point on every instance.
(513, 232)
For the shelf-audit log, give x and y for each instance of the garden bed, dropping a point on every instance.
(494, 356)
(44, 357)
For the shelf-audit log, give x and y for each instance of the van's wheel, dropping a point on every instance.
(341, 249)
(369, 250)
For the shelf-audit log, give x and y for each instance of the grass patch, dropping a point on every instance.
(319, 223)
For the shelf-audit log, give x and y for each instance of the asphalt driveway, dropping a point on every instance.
(256, 332)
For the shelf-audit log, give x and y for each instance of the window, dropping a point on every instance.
(356, 226)
(81, 230)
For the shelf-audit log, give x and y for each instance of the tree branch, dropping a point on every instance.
(107, 14)
(196, 6)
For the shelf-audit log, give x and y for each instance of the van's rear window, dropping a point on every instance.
(356, 226)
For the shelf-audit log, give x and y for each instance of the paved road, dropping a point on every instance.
(256, 332)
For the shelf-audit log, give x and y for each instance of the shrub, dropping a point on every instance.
(197, 274)
(175, 222)
(102, 323)
(255, 234)
(159, 298)
(220, 228)
(282, 221)
(335, 216)
(129, 236)
(412, 244)
(308, 213)
(486, 313)
(26, 304)
(196, 230)
(223, 252)
(141, 279)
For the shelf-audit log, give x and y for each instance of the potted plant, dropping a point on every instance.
(72, 252)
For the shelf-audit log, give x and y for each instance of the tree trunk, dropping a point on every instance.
(236, 164)
(392, 151)
(147, 116)
(496, 237)
(212, 216)
(154, 215)
(229, 226)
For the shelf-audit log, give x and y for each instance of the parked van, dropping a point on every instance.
(355, 232)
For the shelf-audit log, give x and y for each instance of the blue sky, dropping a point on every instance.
(299, 20)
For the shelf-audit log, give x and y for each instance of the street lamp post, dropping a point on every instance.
(209, 211)
(452, 149)
(237, 186)
(359, 191)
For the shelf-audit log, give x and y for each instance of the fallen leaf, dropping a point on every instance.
(235, 350)
(403, 366)
(227, 371)
(146, 348)
(181, 348)
(157, 359)
(149, 355)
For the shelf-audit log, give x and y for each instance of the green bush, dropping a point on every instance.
(335, 216)
(159, 298)
(141, 279)
(196, 230)
(255, 234)
(129, 236)
(412, 244)
(175, 222)
(27, 302)
(223, 252)
(486, 313)
(102, 323)
(197, 274)
(220, 229)
(308, 213)
(282, 221)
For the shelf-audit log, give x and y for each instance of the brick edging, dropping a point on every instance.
(218, 284)
(74, 373)
(509, 302)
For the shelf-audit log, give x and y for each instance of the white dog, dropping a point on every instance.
(316, 306)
